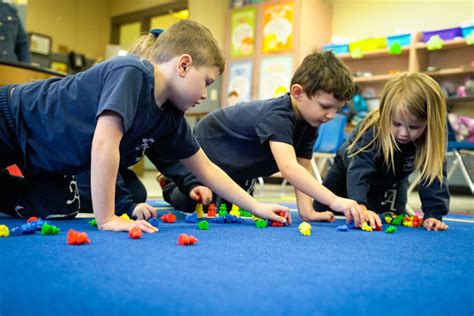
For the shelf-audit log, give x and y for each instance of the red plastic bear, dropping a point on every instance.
(168, 218)
(135, 233)
(211, 211)
(186, 240)
(32, 219)
(77, 238)
(278, 224)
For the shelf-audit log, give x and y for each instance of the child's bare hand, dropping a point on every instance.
(434, 224)
(351, 210)
(269, 211)
(372, 218)
(201, 194)
(314, 216)
(144, 211)
(118, 224)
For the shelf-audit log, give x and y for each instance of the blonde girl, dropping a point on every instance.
(406, 133)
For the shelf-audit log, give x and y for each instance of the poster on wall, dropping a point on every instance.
(240, 83)
(243, 32)
(278, 30)
(275, 76)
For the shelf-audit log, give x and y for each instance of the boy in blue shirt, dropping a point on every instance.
(259, 138)
(108, 116)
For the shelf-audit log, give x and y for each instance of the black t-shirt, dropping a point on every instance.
(237, 138)
(56, 118)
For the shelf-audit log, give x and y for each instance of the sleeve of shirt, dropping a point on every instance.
(305, 149)
(174, 170)
(121, 93)
(178, 143)
(359, 169)
(435, 197)
(276, 126)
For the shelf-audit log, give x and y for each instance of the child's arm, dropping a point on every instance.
(219, 182)
(302, 180)
(184, 180)
(435, 202)
(305, 202)
(105, 158)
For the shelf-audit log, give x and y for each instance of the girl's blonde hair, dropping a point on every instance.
(421, 96)
(183, 37)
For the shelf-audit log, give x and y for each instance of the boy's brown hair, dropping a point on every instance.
(183, 37)
(324, 72)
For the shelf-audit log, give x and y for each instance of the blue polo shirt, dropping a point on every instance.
(56, 118)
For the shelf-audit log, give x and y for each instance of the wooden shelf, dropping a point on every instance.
(375, 78)
(374, 54)
(450, 72)
(449, 44)
(457, 100)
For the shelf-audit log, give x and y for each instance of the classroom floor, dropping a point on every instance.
(239, 269)
(463, 204)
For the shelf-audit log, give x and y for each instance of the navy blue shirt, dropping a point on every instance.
(237, 138)
(367, 173)
(56, 118)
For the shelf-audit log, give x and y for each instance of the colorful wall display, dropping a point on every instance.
(275, 76)
(278, 27)
(240, 83)
(243, 32)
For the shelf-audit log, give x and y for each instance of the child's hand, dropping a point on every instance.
(201, 194)
(267, 211)
(314, 216)
(372, 218)
(118, 224)
(434, 224)
(351, 210)
(144, 211)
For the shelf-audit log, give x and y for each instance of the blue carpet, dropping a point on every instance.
(237, 269)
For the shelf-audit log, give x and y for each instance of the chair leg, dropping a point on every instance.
(464, 171)
(316, 171)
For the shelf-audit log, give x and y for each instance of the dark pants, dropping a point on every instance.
(128, 185)
(46, 196)
(181, 202)
(43, 195)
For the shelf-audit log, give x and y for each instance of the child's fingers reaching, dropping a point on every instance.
(434, 224)
(280, 219)
(373, 219)
(150, 212)
(144, 226)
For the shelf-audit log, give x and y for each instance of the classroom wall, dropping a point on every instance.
(357, 19)
(211, 13)
(81, 25)
(84, 25)
(315, 28)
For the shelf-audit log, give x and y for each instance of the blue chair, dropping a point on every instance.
(331, 136)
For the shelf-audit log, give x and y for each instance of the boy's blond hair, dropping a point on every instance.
(183, 37)
(421, 96)
(324, 72)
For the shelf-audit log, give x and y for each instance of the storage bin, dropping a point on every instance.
(445, 34)
(402, 39)
(467, 30)
(368, 44)
(337, 49)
